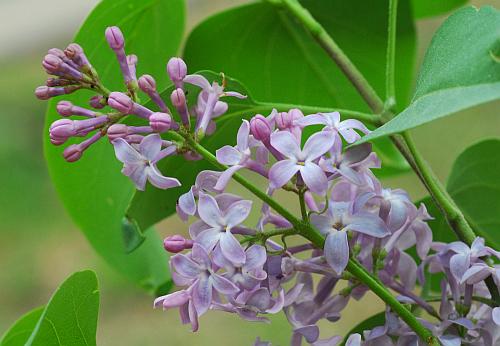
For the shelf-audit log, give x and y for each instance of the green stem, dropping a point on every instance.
(303, 210)
(312, 234)
(334, 51)
(390, 93)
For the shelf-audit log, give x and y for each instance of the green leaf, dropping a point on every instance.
(93, 190)
(461, 69)
(474, 184)
(21, 330)
(69, 318)
(370, 323)
(429, 8)
(279, 61)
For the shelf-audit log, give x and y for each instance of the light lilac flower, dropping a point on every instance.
(182, 300)
(140, 164)
(213, 91)
(332, 122)
(300, 160)
(197, 269)
(216, 226)
(335, 226)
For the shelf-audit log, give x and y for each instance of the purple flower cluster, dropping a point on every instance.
(139, 148)
(230, 266)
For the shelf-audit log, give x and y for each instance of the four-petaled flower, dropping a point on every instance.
(302, 161)
(140, 164)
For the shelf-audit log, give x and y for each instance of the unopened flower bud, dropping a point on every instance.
(72, 153)
(75, 52)
(114, 37)
(57, 140)
(117, 131)
(177, 70)
(121, 102)
(178, 99)
(147, 83)
(54, 82)
(132, 63)
(97, 101)
(64, 108)
(177, 243)
(63, 128)
(160, 122)
(284, 120)
(260, 128)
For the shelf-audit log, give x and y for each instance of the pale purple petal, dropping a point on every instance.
(150, 146)
(256, 257)
(337, 251)
(322, 223)
(312, 119)
(202, 295)
(227, 155)
(209, 211)
(226, 176)
(125, 152)
(209, 238)
(495, 314)
(235, 94)
(231, 248)
(281, 172)
(172, 300)
(353, 340)
(459, 263)
(477, 273)
(318, 144)
(187, 202)
(161, 182)
(200, 256)
(310, 333)
(286, 144)
(185, 266)
(138, 174)
(314, 178)
(242, 136)
(368, 224)
(237, 213)
(198, 80)
(223, 285)
(407, 271)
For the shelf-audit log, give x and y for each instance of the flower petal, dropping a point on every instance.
(281, 172)
(209, 210)
(209, 238)
(202, 295)
(223, 285)
(185, 266)
(237, 213)
(231, 248)
(495, 314)
(256, 257)
(227, 155)
(322, 223)
(226, 176)
(138, 174)
(337, 251)
(286, 144)
(160, 181)
(187, 202)
(459, 263)
(312, 119)
(125, 152)
(198, 80)
(200, 256)
(318, 144)
(242, 136)
(314, 178)
(150, 146)
(368, 224)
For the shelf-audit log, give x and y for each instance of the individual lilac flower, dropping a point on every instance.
(197, 269)
(237, 157)
(182, 300)
(213, 91)
(353, 164)
(248, 274)
(285, 121)
(335, 225)
(217, 225)
(300, 160)
(140, 164)
(465, 256)
(177, 70)
(332, 122)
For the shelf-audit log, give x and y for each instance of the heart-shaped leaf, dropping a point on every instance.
(93, 190)
(461, 69)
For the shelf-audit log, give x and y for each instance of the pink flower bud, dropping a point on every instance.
(178, 98)
(42, 93)
(64, 108)
(63, 128)
(57, 140)
(176, 69)
(72, 153)
(284, 120)
(147, 83)
(75, 52)
(160, 122)
(260, 128)
(121, 102)
(97, 101)
(114, 37)
(52, 63)
(177, 243)
(117, 131)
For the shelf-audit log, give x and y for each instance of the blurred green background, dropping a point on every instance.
(39, 245)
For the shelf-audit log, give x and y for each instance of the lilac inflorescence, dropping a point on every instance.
(229, 266)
